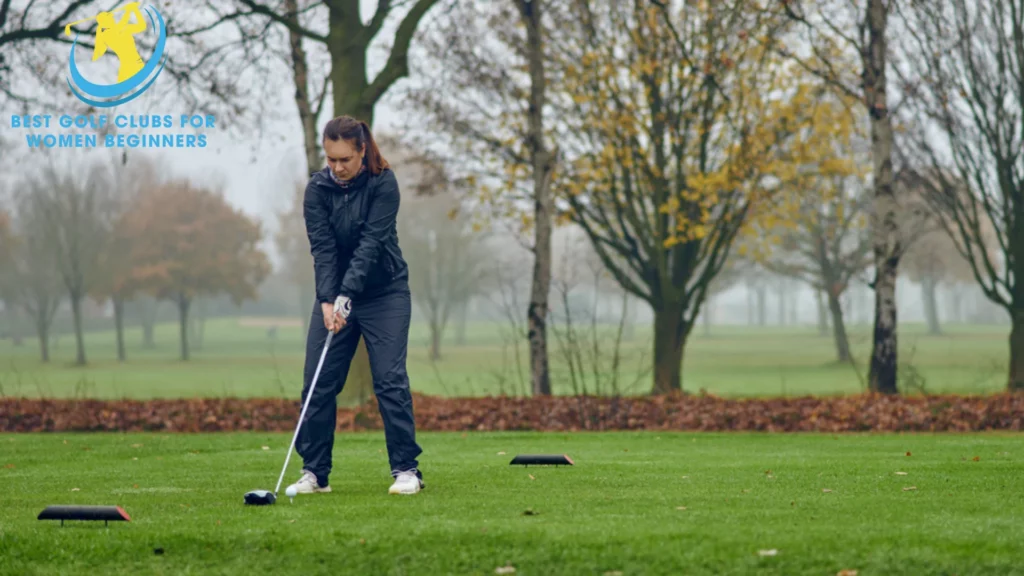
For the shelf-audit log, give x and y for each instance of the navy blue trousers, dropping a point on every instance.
(383, 323)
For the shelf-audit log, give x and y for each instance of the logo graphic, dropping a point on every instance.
(118, 35)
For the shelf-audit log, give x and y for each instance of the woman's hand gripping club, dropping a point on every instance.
(336, 314)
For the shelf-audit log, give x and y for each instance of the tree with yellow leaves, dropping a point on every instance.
(820, 221)
(846, 44)
(673, 125)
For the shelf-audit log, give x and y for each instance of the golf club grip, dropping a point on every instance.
(312, 386)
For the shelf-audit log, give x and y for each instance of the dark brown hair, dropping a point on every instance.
(358, 132)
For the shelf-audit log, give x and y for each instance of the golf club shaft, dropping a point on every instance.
(312, 386)
(67, 27)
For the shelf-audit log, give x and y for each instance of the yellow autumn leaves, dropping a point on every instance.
(689, 120)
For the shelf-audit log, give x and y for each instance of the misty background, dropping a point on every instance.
(470, 263)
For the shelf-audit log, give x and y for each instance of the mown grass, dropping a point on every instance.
(822, 503)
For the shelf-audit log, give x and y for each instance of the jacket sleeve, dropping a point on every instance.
(380, 221)
(322, 244)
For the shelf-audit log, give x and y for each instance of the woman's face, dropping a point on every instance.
(343, 158)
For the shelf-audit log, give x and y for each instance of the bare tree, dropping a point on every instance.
(490, 99)
(34, 283)
(347, 39)
(75, 210)
(147, 308)
(848, 44)
(828, 247)
(590, 348)
(215, 62)
(751, 274)
(507, 288)
(932, 258)
(293, 246)
(115, 277)
(446, 258)
(966, 73)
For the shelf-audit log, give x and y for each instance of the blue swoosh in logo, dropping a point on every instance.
(110, 90)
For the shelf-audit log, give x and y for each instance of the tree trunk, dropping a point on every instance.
(348, 46)
(822, 313)
(839, 329)
(183, 304)
(884, 225)
(669, 337)
(882, 375)
(76, 314)
(43, 331)
(931, 307)
(300, 77)
(542, 166)
(147, 311)
(1016, 380)
(538, 308)
(119, 326)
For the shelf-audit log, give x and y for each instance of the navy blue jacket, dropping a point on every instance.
(353, 236)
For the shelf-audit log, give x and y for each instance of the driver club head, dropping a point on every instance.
(260, 497)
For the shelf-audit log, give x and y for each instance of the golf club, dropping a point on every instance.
(263, 497)
(67, 27)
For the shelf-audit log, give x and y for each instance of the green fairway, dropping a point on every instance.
(239, 360)
(823, 503)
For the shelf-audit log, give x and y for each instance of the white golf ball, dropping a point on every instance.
(291, 492)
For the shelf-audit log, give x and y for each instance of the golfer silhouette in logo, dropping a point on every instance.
(119, 36)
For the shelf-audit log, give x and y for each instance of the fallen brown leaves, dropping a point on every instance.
(866, 412)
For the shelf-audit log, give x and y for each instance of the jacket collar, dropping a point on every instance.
(359, 181)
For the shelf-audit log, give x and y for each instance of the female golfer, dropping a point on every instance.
(362, 289)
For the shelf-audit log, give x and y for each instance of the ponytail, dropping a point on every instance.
(374, 159)
(358, 132)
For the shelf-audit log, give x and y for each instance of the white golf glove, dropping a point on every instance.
(343, 306)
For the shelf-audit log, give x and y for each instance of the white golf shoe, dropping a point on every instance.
(406, 483)
(307, 485)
